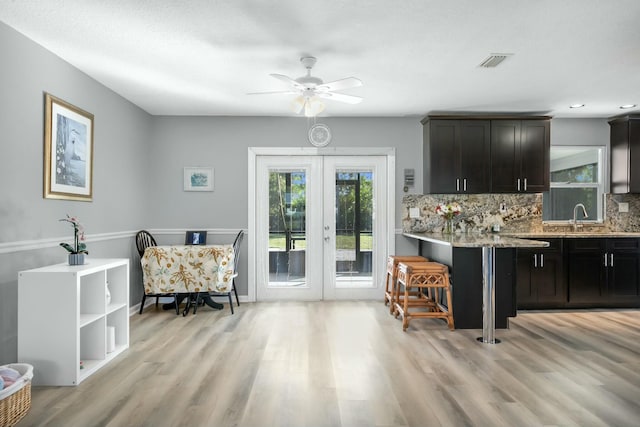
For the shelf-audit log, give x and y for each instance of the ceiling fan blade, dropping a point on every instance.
(346, 83)
(288, 80)
(349, 99)
(281, 92)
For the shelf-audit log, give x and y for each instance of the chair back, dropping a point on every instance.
(144, 239)
(236, 250)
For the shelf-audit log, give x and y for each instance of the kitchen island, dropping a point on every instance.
(482, 268)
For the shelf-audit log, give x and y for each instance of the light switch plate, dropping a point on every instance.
(623, 207)
(414, 212)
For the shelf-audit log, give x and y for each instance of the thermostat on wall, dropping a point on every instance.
(319, 135)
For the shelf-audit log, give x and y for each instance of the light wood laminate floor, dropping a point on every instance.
(349, 364)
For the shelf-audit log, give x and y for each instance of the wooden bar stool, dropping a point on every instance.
(391, 278)
(431, 279)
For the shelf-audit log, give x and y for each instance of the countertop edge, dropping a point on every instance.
(477, 240)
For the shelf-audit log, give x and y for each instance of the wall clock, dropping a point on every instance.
(319, 135)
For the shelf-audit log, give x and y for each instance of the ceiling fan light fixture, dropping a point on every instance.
(313, 107)
(298, 104)
(310, 106)
(627, 106)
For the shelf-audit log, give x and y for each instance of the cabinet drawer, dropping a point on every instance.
(630, 244)
(579, 244)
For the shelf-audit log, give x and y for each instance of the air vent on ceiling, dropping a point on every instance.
(494, 60)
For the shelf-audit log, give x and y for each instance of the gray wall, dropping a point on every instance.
(29, 226)
(223, 142)
(138, 169)
(580, 132)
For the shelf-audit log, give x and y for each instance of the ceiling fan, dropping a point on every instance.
(310, 88)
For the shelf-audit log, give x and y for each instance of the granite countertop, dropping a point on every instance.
(477, 240)
(571, 234)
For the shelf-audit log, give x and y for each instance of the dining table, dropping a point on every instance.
(194, 271)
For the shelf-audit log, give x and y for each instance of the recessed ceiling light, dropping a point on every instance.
(627, 106)
(576, 105)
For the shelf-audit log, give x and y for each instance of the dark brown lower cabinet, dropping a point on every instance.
(579, 273)
(586, 271)
(604, 272)
(540, 276)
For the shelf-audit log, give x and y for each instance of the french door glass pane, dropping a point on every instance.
(287, 228)
(354, 228)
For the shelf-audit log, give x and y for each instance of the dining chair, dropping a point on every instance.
(144, 239)
(237, 244)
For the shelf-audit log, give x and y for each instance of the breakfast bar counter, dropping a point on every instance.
(482, 268)
(478, 240)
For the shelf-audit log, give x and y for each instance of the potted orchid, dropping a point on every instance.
(448, 211)
(79, 248)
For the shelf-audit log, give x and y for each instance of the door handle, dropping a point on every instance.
(464, 185)
(518, 184)
(535, 261)
(525, 184)
(541, 260)
(605, 260)
(611, 260)
(457, 184)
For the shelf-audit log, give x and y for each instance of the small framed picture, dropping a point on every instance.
(68, 151)
(198, 179)
(195, 238)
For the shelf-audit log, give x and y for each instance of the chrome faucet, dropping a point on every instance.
(575, 214)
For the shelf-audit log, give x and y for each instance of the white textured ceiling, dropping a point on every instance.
(201, 57)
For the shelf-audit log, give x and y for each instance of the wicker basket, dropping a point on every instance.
(15, 400)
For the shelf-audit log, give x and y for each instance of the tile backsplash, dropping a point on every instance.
(511, 213)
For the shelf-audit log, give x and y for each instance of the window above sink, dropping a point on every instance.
(577, 176)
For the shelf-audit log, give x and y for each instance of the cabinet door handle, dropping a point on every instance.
(541, 260)
(457, 184)
(464, 185)
(535, 261)
(605, 260)
(610, 260)
(525, 184)
(518, 184)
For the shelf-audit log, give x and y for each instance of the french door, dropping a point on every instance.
(322, 226)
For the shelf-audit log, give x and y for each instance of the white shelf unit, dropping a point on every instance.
(63, 316)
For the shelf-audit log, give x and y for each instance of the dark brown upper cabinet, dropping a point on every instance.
(457, 156)
(486, 154)
(625, 154)
(520, 156)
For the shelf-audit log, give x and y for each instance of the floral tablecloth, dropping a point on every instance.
(183, 269)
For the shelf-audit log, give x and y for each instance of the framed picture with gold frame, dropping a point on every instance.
(68, 151)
